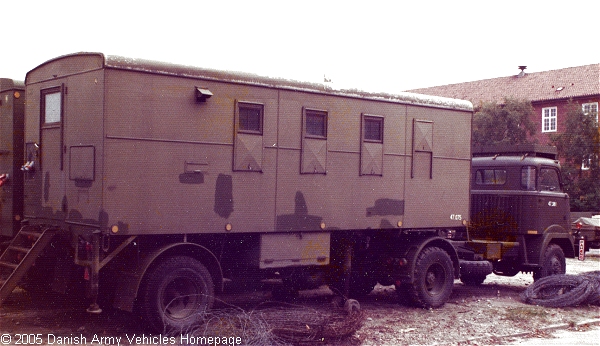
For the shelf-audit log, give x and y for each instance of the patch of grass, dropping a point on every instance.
(526, 313)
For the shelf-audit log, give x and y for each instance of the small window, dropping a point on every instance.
(590, 108)
(373, 127)
(549, 119)
(250, 118)
(549, 180)
(586, 163)
(490, 177)
(316, 123)
(528, 178)
(51, 106)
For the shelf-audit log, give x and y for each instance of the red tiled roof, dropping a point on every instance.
(539, 86)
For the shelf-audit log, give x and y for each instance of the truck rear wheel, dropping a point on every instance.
(553, 262)
(176, 293)
(433, 278)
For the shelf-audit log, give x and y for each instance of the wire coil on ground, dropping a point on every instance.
(564, 290)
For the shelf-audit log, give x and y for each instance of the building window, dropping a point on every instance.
(250, 118)
(549, 119)
(316, 123)
(590, 108)
(586, 164)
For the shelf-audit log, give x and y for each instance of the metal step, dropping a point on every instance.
(20, 255)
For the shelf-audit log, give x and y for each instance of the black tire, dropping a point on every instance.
(433, 278)
(176, 293)
(553, 263)
(473, 273)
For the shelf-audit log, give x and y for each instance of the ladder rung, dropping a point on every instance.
(19, 248)
(29, 233)
(9, 265)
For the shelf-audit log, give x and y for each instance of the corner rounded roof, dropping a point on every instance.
(10, 84)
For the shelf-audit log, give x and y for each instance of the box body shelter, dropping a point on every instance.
(146, 148)
(12, 108)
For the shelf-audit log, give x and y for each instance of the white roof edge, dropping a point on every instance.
(149, 66)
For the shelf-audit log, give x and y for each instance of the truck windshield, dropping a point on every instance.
(549, 179)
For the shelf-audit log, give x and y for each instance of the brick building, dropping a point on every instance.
(548, 91)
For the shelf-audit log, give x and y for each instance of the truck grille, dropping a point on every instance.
(495, 217)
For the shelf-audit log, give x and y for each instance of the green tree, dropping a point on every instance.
(506, 123)
(578, 148)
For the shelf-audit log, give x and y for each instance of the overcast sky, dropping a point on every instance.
(371, 45)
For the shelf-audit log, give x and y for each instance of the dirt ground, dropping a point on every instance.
(489, 314)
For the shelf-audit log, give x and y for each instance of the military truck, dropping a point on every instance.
(519, 217)
(148, 186)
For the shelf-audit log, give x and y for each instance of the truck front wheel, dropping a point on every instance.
(553, 262)
(433, 278)
(176, 293)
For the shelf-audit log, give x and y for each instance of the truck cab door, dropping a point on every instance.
(553, 202)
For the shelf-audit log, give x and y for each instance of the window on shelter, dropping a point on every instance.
(314, 142)
(373, 127)
(316, 123)
(51, 106)
(371, 150)
(549, 119)
(250, 118)
(248, 141)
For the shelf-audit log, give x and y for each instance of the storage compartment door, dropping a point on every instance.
(279, 250)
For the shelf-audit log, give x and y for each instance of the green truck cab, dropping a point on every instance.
(520, 219)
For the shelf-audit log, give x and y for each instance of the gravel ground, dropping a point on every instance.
(489, 314)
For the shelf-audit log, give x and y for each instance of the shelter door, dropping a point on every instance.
(52, 148)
